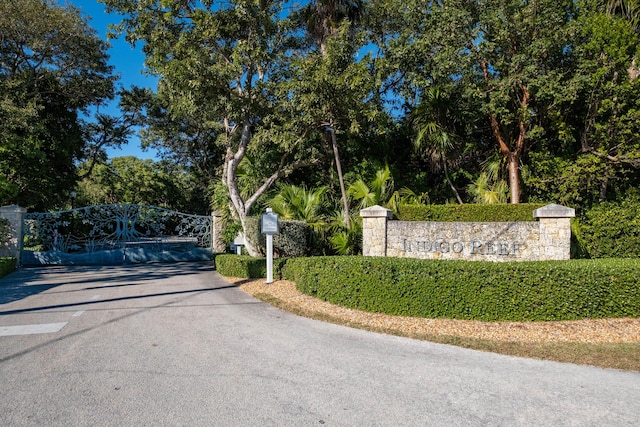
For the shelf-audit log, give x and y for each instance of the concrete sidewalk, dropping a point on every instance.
(175, 344)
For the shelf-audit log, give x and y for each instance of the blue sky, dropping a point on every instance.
(128, 63)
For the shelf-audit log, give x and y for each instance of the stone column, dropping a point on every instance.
(217, 242)
(13, 248)
(555, 231)
(374, 230)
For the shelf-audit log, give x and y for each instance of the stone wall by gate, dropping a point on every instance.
(548, 238)
(13, 248)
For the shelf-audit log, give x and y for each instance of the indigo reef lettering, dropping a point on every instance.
(473, 247)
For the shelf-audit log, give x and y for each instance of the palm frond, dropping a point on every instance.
(361, 192)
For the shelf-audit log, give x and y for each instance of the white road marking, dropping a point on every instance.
(95, 297)
(78, 313)
(44, 328)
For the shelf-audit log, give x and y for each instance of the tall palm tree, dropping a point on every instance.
(628, 9)
(322, 19)
(434, 138)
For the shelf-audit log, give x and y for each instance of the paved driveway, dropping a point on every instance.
(174, 344)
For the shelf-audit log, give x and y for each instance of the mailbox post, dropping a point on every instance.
(270, 226)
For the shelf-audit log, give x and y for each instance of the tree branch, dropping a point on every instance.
(634, 163)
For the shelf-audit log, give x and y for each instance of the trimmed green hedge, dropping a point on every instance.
(7, 265)
(527, 291)
(290, 242)
(468, 213)
(246, 266)
(609, 230)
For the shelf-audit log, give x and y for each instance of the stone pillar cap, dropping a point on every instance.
(13, 208)
(376, 212)
(554, 211)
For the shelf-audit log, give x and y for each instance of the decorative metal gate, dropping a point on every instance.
(116, 234)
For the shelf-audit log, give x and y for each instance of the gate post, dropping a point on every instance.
(13, 248)
(217, 242)
(555, 231)
(374, 230)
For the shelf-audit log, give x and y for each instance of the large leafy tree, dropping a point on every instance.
(600, 158)
(183, 140)
(608, 55)
(52, 67)
(104, 131)
(224, 63)
(235, 73)
(508, 56)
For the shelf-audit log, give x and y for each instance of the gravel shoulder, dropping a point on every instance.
(596, 331)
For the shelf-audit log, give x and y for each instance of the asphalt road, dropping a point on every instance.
(174, 344)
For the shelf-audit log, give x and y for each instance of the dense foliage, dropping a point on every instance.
(291, 241)
(463, 101)
(245, 76)
(53, 67)
(7, 265)
(321, 108)
(528, 291)
(131, 180)
(610, 230)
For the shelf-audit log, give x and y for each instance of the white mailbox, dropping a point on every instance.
(270, 226)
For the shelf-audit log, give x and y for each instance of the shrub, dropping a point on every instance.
(290, 242)
(610, 230)
(246, 266)
(468, 213)
(229, 232)
(7, 265)
(5, 231)
(292, 239)
(240, 266)
(527, 291)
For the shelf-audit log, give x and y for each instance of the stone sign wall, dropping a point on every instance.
(549, 238)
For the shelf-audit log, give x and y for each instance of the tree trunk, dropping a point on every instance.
(604, 185)
(252, 250)
(514, 177)
(232, 160)
(241, 206)
(455, 191)
(512, 155)
(336, 155)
